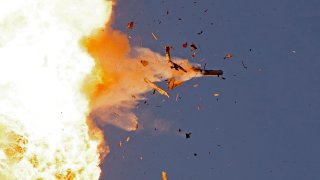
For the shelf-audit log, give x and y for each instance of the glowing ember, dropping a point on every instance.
(164, 175)
(43, 114)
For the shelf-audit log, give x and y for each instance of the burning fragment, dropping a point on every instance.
(144, 63)
(154, 36)
(154, 86)
(174, 83)
(228, 56)
(216, 94)
(168, 56)
(193, 47)
(185, 45)
(130, 25)
(164, 175)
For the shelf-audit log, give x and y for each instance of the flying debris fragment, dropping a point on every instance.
(178, 97)
(164, 175)
(130, 25)
(144, 63)
(228, 56)
(244, 66)
(174, 65)
(168, 56)
(208, 72)
(193, 47)
(157, 88)
(177, 67)
(199, 33)
(185, 45)
(188, 135)
(174, 83)
(155, 37)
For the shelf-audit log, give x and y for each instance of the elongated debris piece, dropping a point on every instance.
(154, 36)
(157, 88)
(164, 175)
(210, 72)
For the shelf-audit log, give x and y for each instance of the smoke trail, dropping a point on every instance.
(118, 80)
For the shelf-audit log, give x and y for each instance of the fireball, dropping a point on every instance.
(44, 131)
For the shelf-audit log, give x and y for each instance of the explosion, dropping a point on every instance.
(63, 71)
(43, 113)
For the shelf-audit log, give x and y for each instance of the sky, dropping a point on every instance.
(264, 124)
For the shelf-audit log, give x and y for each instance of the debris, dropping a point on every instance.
(193, 47)
(195, 154)
(154, 36)
(208, 72)
(168, 56)
(244, 66)
(144, 63)
(195, 85)
(216, 94)
(188, 135)
(174, 65)
(228, 56)
(130, 25)
(120, 144)
(154, 86)
(193, 55)
(178, 97)
(223, 78)
(179, 19)
(177, 67)
(185, 45)
(164, 175)
(174, 83)
(179, 130)
(128, 139)
(199, 107)
(206, 10)
(199, 33)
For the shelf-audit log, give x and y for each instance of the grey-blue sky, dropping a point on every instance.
(266, 122)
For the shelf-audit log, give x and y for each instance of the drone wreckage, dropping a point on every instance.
(173, 82)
